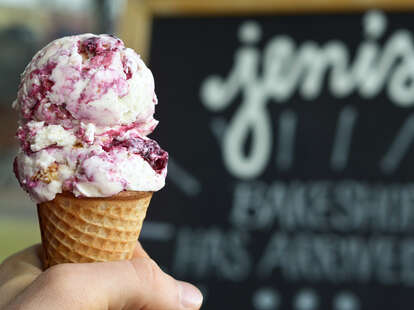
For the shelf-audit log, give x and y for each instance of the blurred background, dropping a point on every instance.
(290, 129)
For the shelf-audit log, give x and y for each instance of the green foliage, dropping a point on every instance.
(16, 234)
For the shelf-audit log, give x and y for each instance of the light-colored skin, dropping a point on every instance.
(137, 284)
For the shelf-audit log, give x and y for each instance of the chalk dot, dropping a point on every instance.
(266, 299)
(306, 300)
(375, 23)
(250, 32)
(346, 301)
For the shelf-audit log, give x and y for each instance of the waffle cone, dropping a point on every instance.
(81, 230)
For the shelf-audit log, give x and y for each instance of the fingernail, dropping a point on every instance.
(190, 296)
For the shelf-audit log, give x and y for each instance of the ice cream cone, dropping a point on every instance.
(80, 230)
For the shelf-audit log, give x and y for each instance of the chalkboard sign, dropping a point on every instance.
(291, 136)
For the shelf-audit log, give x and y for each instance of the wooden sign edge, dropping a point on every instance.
(243, 7)
(135, 25)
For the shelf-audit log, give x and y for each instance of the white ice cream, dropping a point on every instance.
(86, 105)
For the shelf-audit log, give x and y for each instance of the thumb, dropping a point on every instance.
(143, 285)
(135, 284)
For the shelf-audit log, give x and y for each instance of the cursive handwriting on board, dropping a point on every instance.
(284, 68)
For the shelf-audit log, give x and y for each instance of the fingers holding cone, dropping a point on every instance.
(18, 271)
(138, 283)
(139, 251)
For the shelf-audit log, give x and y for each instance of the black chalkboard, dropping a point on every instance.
(291, 180)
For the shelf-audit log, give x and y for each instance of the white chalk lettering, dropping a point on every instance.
(337, 259)
(204, 253)
(345, 206)
(283, 68)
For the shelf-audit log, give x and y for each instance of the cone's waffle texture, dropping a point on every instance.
(80, 230)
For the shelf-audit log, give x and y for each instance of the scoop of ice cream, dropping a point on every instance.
(86, 106)
(90, 79)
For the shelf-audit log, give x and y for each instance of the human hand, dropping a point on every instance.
(134, 284)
